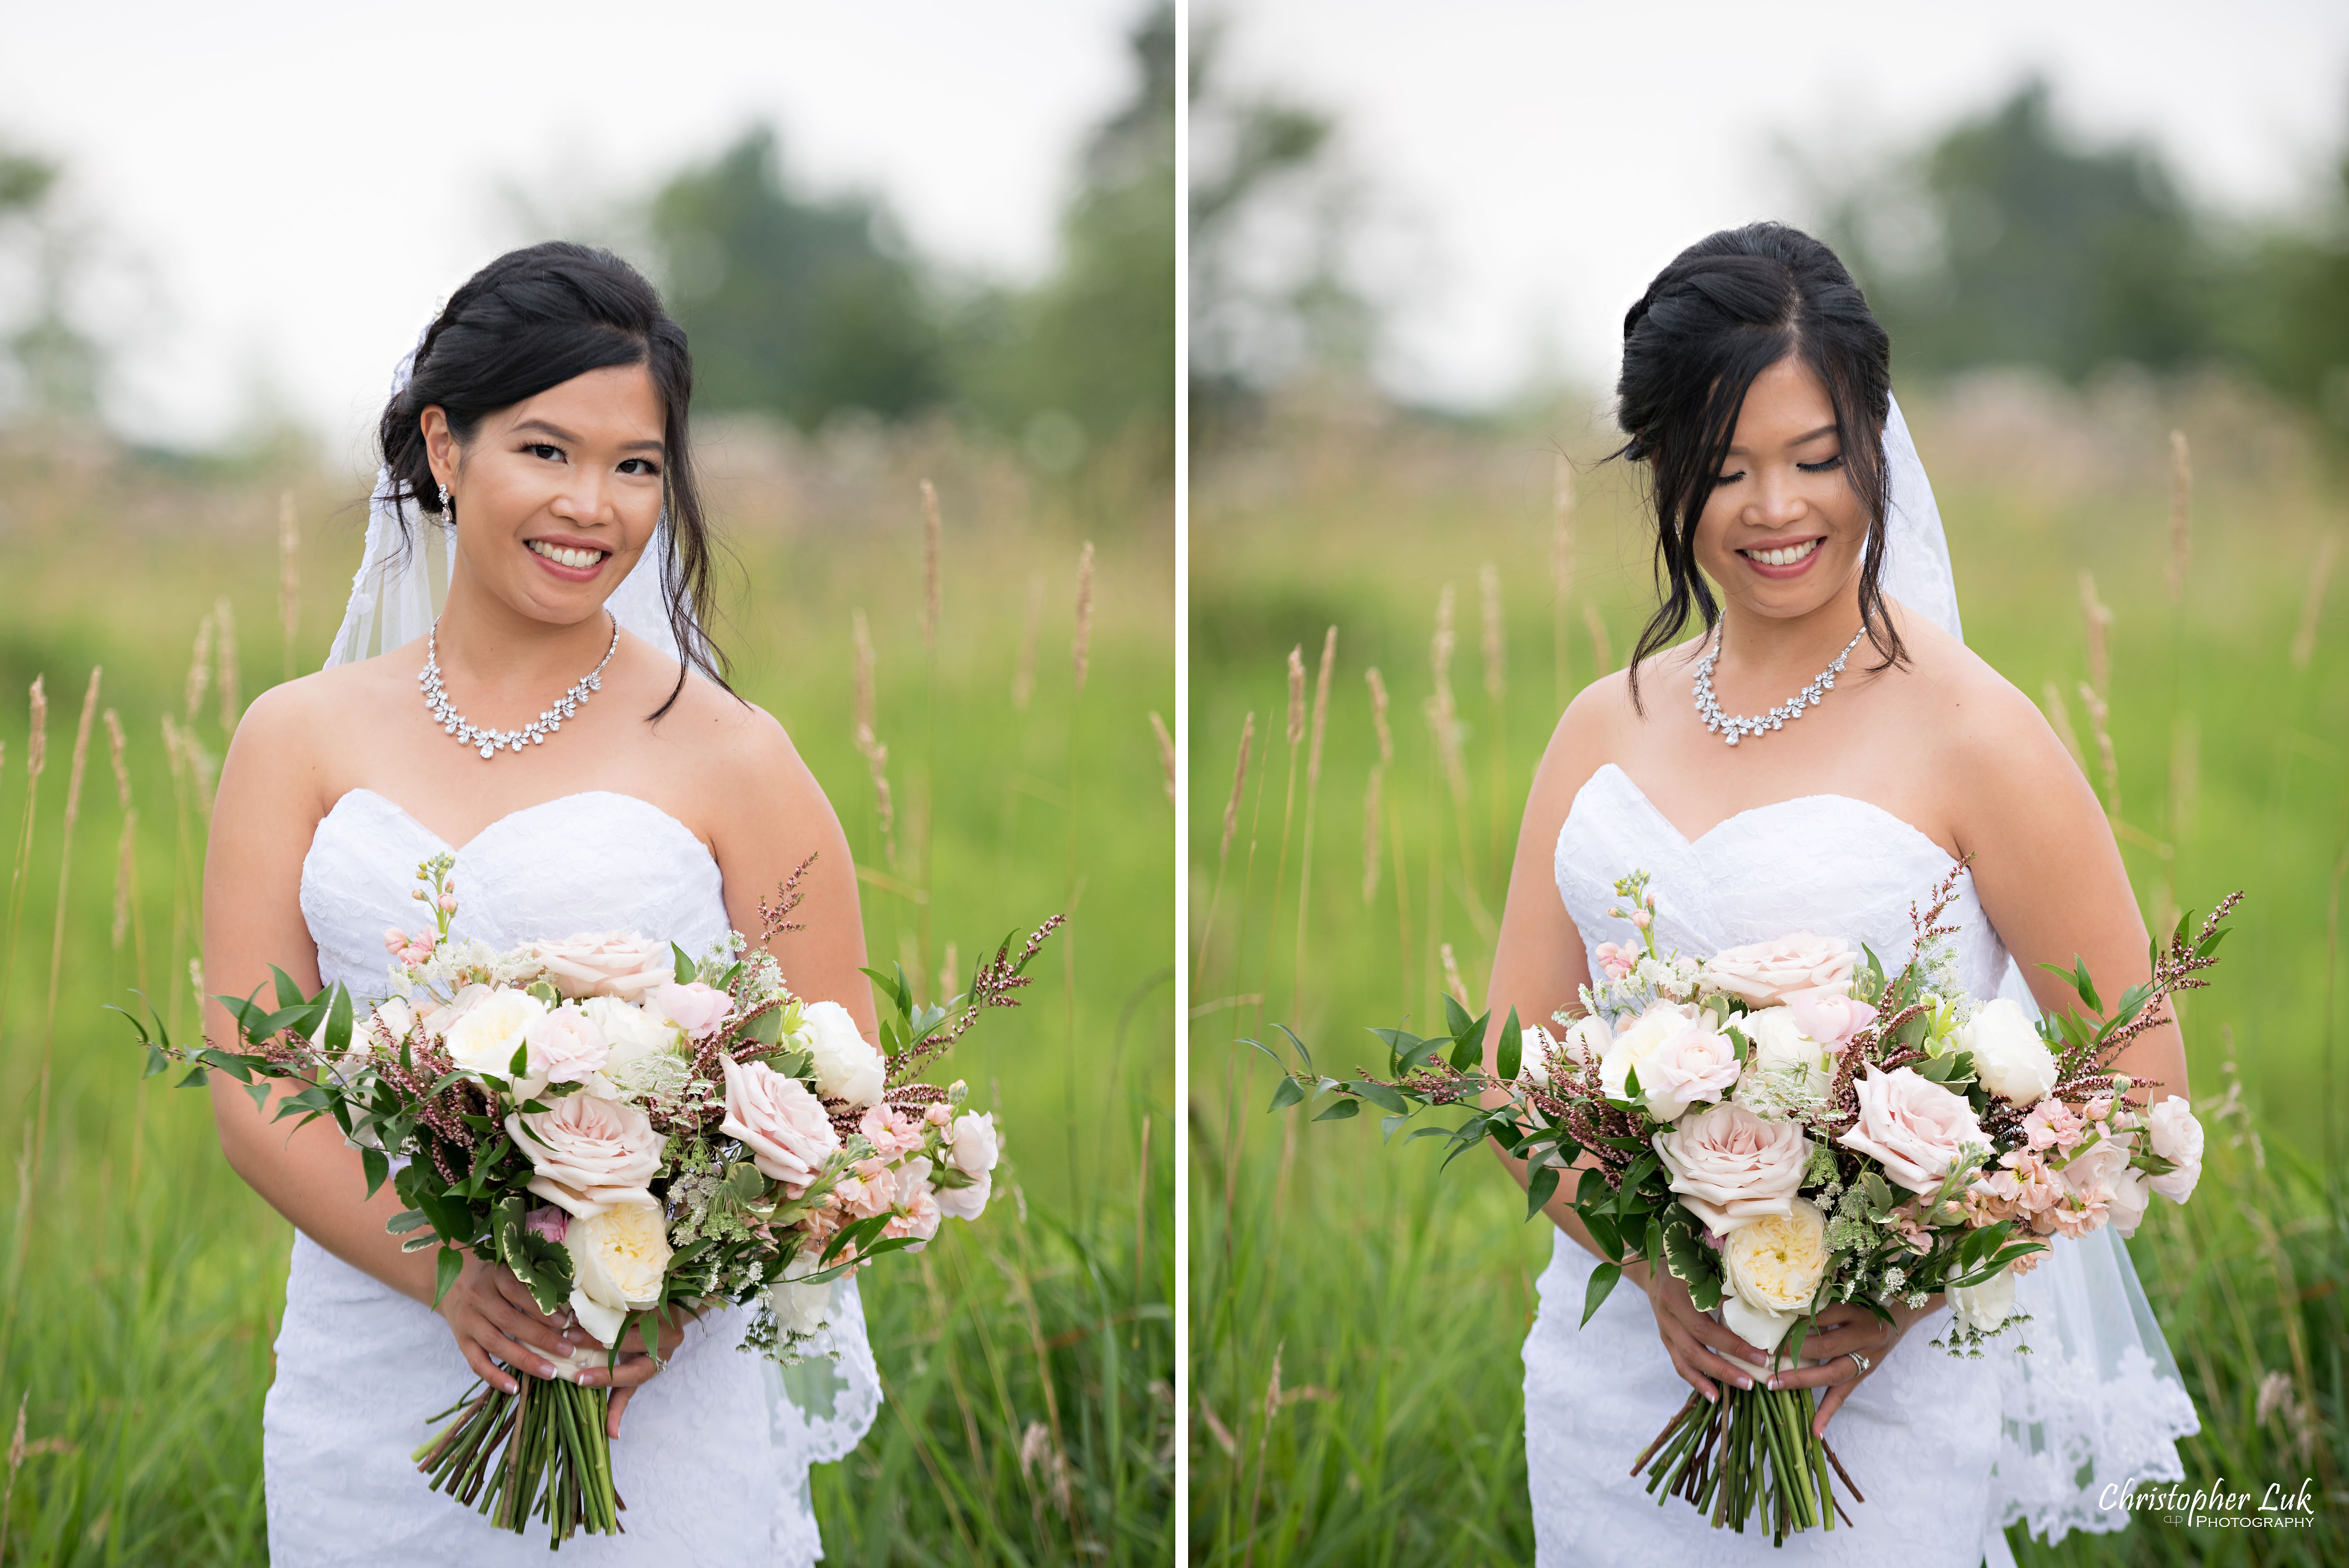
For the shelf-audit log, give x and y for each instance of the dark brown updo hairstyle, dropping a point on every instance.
(1728, 308)
(533, 319)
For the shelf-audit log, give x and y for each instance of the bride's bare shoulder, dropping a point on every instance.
(1972, 718)
(295, 723)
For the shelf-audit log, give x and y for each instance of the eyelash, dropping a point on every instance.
(544, 448)
(1828, 467)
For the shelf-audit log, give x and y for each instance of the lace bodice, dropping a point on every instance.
(1948, 1451)
(714, 1453)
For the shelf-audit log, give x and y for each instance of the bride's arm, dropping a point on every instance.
(269, 803)
(776, 816)
(2048, 870)
(268, 806)
(1538, 967)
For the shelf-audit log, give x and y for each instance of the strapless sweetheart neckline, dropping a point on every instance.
(1752, 811)
(496, 823)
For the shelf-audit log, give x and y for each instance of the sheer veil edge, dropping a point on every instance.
(2098, 1401)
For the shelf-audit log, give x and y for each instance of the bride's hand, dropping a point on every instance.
(1700, 1348)
(494, 1319)
(634, 1369)
(1827, 1349)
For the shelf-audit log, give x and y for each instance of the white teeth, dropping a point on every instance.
(563, 555)
(1785, 557)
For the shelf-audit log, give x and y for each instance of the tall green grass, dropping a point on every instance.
(1357, 1317)
(1028, 1360)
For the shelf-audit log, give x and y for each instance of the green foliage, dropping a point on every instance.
(796, 305)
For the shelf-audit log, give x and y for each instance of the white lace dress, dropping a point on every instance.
(713, 1456)
(1947, 1451)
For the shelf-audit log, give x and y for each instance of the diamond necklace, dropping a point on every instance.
(1717, 722)
(492, 741)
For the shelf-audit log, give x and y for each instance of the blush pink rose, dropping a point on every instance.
(588, 1154)
(1730, 1166)
(779, 1122)
(918, 1215)
(565, 1045)
(1828, 1016)
(699, 1010)
(1911, 1126)
(1763, 973)
(1691, 1063)
(611, 964)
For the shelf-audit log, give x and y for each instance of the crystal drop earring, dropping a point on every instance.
(447, 513)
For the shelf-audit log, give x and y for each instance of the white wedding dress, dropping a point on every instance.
(713, 1454)
(1946, 1450)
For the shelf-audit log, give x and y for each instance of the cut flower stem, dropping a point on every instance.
(538, 1453)
(1752, 1451)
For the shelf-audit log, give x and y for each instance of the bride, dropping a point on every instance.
(1756, 396)
(538, 488)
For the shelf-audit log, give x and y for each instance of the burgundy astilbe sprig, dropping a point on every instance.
(992, 983)
(775, 918)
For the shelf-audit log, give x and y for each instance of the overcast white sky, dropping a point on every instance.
(1540, 159)
(304, 183)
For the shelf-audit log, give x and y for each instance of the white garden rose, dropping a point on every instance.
(618, 1259)
(2010, 1058)
(1534, 1048)
(484, 1039)
(1731, 1168)
(1772, 1268)
(641, 1042)
(1629, 1049)
(1983, 1307)
(2174, 1134)
(972, 1150)
(1797, 1065)
(847, 1066)
(1586, 1040)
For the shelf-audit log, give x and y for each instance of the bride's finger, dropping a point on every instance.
(527, 1327)
(612, 1416)
(1695, 1352)
(520, 1357)
(1838, 1372)
(488, 1371)
(1829, 1403)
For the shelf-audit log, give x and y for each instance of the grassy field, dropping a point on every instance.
(1357, 1317)
(1028, 1361)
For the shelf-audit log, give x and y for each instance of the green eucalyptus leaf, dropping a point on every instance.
(445, 1270)
(1602, 1280)
(1341, 1110)
(1539, 1189)
(1286, 1093)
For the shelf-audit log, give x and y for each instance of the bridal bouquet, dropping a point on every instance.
(629, 1128)
(1785, 1126)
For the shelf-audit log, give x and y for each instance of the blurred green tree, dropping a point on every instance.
(48, 365)
(1085, 362)
(2040, 252)
(800, 306)
(2292, 321)
(1272, 223)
